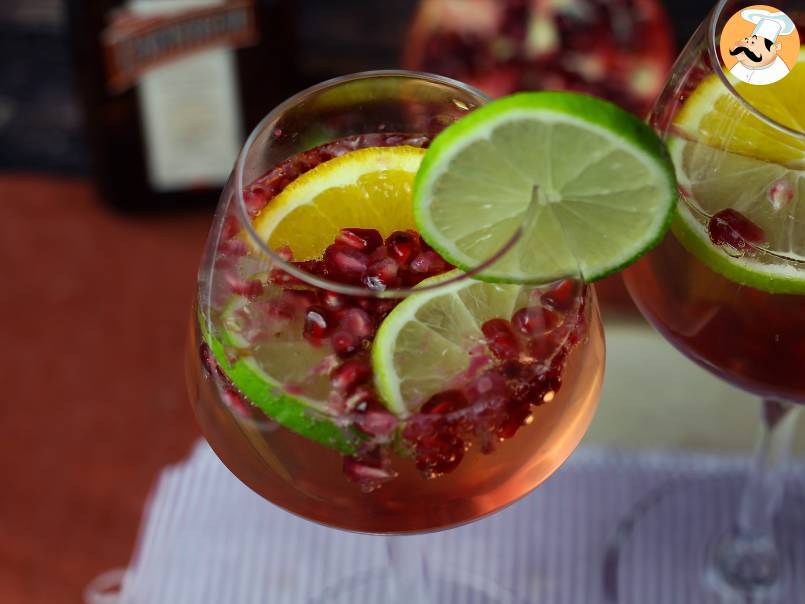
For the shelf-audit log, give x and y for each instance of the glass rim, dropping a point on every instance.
(715, 59)
(327, 284)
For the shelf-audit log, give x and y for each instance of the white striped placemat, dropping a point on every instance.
(206, 538)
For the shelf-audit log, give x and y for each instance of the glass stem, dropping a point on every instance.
(748, 561)
(408, 574)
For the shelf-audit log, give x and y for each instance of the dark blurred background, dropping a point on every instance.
(95, 299)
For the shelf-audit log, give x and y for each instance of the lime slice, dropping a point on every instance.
(260, 372)
(429, 337)
(708, 178)
(603, 186)
(726, 157)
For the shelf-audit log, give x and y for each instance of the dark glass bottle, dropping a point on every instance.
(170, 89)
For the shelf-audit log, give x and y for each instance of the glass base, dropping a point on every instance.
(443, 587)
(664, 550)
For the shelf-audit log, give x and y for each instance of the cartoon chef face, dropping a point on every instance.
(755, 51)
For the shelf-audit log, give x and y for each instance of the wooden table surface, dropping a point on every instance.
(94, 307)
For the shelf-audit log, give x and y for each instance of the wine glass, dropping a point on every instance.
(280, 359)
(725, 288)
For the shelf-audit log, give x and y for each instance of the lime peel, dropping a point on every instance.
(288, 411)
(599, 121)
(780, 278)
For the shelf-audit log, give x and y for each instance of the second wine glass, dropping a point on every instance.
(726, 287)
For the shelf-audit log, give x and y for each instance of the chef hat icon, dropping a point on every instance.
(768, 25)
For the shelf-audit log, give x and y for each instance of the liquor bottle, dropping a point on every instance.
(170, 89)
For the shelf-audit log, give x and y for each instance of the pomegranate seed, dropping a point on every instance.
(500, 338)
(369, 470)
(332, 300)
(378, 255)
(344, 260)
(489, 386)
(347, 376)
(439, 454)
(313, 267)
(563, 295)
(299, 298)
(533, 320)
(233, 399)
(511, 369)
(428, 262)
(277, 276)
(279, 309)
(364, 240)
(317, 324)
(285, 253)
(444, 402)
(345, 344)
(381, 274)
(255, 200)
(373, 419)
(780, 193)
(231, 227)
(402, 245)
(516, 417)
(356, 321)
(248, 288)
(731, 228)
(233, 247)
(380, 308)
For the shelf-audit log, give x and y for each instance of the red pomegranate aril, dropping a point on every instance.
(381, 274)
(234, 401)
(332, 300)
(731, 228)
(345, 344)
(285, 253)
(248, 288)
(299, 298)
(231, 227)
(370, 472)
(349, 375)
(357, 322)
(489, 387)
(344, 260)
(279, 308)
(372, 418)
(500, 339)
(233, 247)
(312, 267)
(365, 240)
(428, 262)
(318, 324)
(439, 454)
(444, 402)
(378, 255)
(534, 320)
(563, 295)
(515, 419)
(402, 245)
(277, 276)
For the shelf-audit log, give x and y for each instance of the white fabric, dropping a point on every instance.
(207, 539)
(763, 75)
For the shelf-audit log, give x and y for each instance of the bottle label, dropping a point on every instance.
(180, 54)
